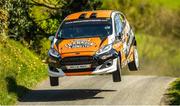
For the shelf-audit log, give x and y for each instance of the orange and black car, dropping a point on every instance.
(92, 42)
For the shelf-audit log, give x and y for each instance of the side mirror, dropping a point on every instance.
(51, 38)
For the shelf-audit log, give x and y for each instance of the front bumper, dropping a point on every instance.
(58, 72)
(105, 63)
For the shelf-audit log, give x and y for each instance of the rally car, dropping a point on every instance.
(92, 42)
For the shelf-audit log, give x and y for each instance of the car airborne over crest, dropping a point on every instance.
(92, 42)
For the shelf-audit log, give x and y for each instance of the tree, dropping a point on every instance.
(35, 19)
(3, 22)
(50, 13)
(18, 23)
(3, 19)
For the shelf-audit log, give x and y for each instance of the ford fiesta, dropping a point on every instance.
(92, 42)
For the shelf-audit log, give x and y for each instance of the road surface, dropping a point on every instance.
(99, 90)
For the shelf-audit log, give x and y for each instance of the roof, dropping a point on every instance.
(99, 14)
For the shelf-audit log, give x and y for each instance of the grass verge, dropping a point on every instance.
(172, 97)
(20, 69)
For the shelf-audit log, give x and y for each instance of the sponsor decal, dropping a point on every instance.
(79, 44)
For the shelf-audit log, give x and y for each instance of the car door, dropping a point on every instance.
(119, 36)
(127, 33)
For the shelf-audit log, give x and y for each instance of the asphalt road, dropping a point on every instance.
(100, 90)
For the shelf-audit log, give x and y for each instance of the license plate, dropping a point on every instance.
(78, 66)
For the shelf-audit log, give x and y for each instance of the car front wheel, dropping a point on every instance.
(54, 81)
(117, 74)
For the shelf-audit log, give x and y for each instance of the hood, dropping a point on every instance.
(80, 45)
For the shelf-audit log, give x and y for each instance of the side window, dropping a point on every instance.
(122, 19)
(118, 24)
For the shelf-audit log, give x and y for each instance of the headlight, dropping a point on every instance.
(104, 49)
(53, 52)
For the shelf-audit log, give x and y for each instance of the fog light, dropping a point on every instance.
(107, 64)
(52, 61)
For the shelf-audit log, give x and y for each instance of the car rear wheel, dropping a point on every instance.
(117, 74)
(134, 65)
(54, 81)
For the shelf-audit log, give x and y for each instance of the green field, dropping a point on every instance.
(172, 4)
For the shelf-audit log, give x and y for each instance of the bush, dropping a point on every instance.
(44, 47)
(173, 94)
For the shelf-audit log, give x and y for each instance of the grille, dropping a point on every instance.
(77, 60)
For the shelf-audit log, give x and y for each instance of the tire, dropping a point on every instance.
(116, 75)
(134, 65)
(54, 81)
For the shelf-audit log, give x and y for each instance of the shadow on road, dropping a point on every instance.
(62, 95)
(51, 95)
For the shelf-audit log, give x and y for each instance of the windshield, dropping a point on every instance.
(85, 28)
